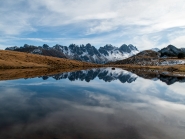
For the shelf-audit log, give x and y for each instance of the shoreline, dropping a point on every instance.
(175, 69)
(12, 74)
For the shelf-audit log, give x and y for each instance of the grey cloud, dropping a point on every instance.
(122, 21)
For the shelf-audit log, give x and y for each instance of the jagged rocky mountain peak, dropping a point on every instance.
(132, 47)
(57, 47)
(125, 48)
(45, 46)
(87, 52)
(109, 47)
(88, 45)
(103, 51)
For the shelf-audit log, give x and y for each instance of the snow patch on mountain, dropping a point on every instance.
(37, 51)
(172, 62)
(155, 49)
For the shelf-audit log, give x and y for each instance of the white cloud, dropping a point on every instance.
(137, 21)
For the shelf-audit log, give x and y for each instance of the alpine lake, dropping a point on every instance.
(104, 103)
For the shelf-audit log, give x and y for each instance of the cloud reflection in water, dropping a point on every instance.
(142, 109)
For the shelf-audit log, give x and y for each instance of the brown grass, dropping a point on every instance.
(20, 60)
(11, 74)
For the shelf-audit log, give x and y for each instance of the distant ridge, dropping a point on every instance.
(87, 53)
(171, 51)
(44, 50)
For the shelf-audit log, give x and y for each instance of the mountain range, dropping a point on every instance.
(41, 50)
(105, 74)
(87, 53)
(125, 54)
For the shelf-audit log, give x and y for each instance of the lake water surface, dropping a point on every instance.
(93, 104)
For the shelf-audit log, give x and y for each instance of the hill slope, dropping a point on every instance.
(171, 51)
(12, 59)
(149, 58)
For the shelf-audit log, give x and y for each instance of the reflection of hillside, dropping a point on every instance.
(106, 74)
(171, 80)
(154, 75)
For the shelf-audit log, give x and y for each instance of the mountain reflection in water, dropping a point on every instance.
(108, 75)
(97, 104)
(105, 74)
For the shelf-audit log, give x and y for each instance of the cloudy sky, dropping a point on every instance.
(143, 23)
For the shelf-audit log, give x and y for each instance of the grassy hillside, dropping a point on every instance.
(143, 58)
(20, 60)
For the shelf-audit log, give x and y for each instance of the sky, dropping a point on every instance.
(144, 23)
